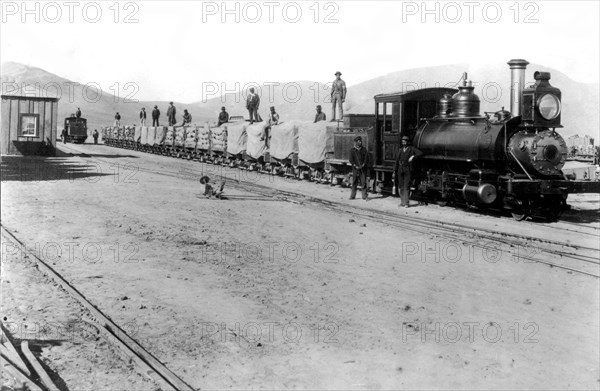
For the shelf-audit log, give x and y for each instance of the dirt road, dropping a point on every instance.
(257, 292)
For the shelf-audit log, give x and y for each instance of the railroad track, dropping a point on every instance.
(572, 257)
(129, 348)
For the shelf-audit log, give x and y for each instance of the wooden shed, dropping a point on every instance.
(29, 125)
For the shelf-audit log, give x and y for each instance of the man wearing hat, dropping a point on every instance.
(402, 168)
(155, 116)
(223, 117)
(143, 117)
(171, 111)
(359, 159)
(252, 104)
(320, 116)
(338, 95)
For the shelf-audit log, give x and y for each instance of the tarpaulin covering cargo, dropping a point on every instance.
(314, 141)
(284, 140)
(219, 138)
(137, 137)
(179, 136)
(203, 137)
(144, 135)
(160, 133)
(169, 136)
(255, 147)
(191, 135)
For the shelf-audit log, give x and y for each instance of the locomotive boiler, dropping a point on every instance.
(509, 160)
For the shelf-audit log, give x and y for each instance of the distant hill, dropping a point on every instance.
(297, 99)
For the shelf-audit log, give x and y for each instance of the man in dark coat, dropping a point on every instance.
(64, 136)
(78, 113)
(143, 117)
(95, 135)
(402, 169)
(320, 116)
(252, 104)
(187, 118)
(171, 111)
(155, 116)
(117, 119)
(359, 159)
(223, 117)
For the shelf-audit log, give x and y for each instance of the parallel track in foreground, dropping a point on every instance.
(587, 256)
(146, 362)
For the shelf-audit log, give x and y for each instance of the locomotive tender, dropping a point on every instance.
(502, 160)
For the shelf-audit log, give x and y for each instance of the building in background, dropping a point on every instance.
(29, 125)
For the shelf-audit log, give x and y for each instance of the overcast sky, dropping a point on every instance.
(172, 50)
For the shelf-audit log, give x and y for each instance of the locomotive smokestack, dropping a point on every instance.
(517, 83)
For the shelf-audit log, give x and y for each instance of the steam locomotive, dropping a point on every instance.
(501, 160)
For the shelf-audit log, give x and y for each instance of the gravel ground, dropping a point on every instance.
(260, 293)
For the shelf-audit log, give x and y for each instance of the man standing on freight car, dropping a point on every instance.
(171, 111)
(143, 117)
(155, 116)
(117, 119)
(402, 169)
(252, 104)
(338, 95)
(359, 159)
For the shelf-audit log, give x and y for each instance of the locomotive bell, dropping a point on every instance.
(465, 102)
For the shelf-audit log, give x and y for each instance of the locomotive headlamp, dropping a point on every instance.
(549, 106)
(541, 103)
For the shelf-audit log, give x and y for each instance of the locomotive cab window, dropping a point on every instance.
(29, 125)
(390, 116)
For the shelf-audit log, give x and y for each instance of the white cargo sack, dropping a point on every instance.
(237, 138)
(256, 148)
(284, 139)
(314, 141)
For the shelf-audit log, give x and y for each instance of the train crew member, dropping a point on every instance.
(359, 159)
(223, 117)
(406, 154)
(171, 111)
(320, 116)
(95, 135)
(78, 113)
(155, 116)
(338, 95)
(187, 118)
(143, 117)
(273, 120)
(252, 104)
(210, 191)
(117, 119)
(64, 136)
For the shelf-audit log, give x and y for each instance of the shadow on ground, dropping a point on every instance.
(37, 169)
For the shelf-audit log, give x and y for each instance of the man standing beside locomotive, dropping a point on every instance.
(338, 96)
(171, 111)
(406, 155)
(359, 159)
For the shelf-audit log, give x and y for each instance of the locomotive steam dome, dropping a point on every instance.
(465, 102)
